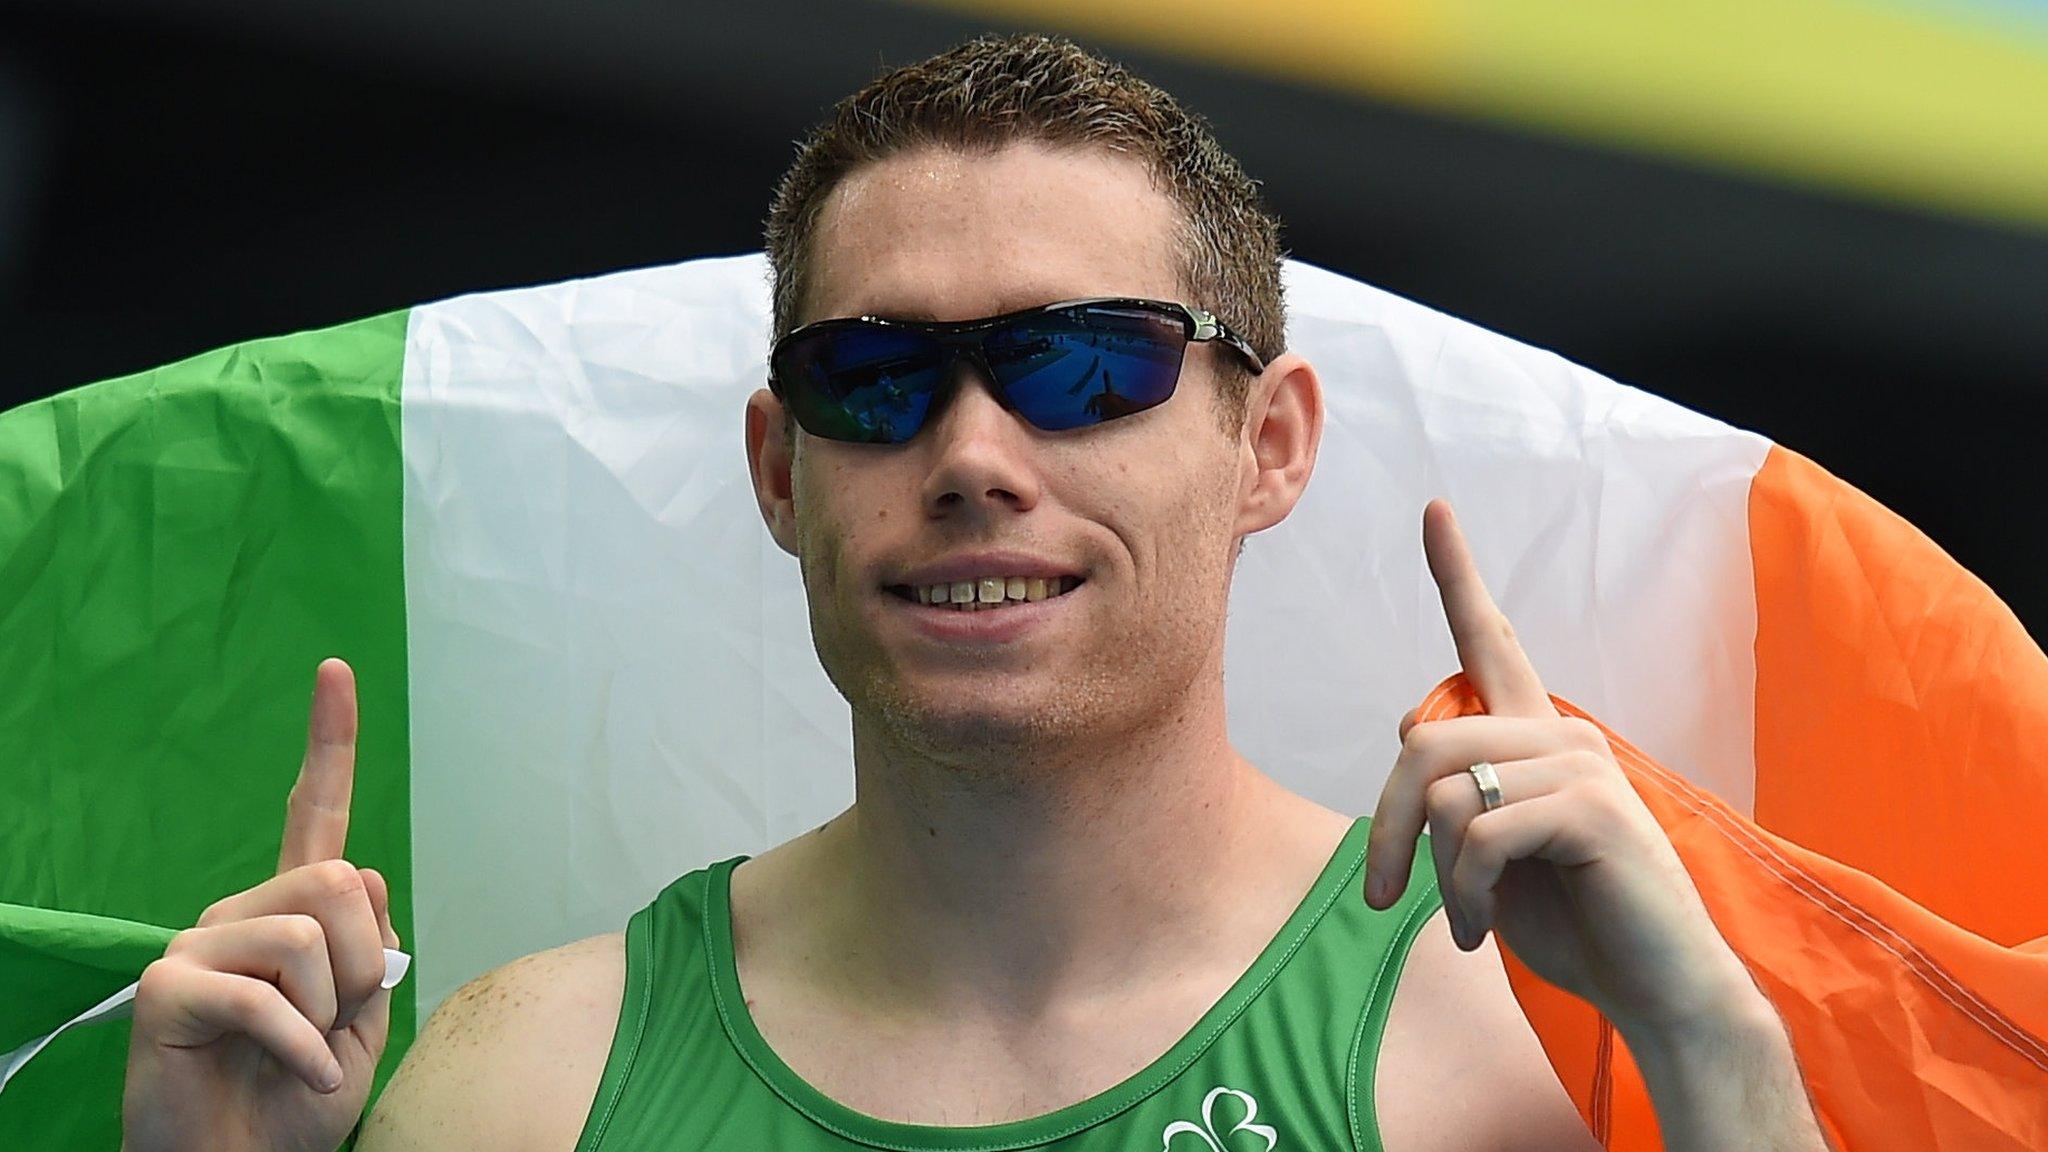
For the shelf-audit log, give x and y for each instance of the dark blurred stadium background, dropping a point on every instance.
(1825, 220)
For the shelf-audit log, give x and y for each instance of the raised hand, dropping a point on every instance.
(261, 1027)
(1570, 868)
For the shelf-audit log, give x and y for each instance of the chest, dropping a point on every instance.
(1454, 1067)
(977, 1068)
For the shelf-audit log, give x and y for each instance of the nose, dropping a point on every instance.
(983, 458)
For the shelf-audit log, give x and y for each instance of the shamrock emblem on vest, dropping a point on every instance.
(1213, 1140)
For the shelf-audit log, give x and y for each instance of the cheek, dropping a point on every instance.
(837, 512)
(1187, 539)
(819, 534)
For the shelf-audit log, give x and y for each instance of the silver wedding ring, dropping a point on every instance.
(1489, 784)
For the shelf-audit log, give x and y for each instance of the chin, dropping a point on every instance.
(960, 725)
(967, 725)
(1088, 701)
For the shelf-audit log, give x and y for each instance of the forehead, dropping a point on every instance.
(938, 234)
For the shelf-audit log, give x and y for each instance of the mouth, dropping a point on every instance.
(986, 593)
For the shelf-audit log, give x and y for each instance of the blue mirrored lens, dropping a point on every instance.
(1083, 365)
(867, 384)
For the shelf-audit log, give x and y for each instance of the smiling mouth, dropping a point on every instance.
(989, 592)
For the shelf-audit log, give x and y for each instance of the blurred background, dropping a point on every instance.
(1824, 220)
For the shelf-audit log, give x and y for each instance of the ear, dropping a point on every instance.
(1277, 448)
(770, 458)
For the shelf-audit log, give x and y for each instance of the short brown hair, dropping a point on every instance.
(1000, 90)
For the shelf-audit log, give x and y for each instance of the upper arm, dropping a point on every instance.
(1467, 1071)
(511, 1061)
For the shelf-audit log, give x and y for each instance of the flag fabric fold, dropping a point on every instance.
(53, 964)
(1910, 1031)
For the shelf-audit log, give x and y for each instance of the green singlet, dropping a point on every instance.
(1283, 1060)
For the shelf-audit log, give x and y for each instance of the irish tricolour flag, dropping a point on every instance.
(584, 668)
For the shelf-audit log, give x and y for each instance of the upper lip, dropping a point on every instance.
(975, 565)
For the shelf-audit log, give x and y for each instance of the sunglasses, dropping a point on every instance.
(1059, 366)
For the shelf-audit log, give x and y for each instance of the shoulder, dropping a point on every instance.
(1459, 1066)
(512, 1059)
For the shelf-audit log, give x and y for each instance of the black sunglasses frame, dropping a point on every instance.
(963, 337)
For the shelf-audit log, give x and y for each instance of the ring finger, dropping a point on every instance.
(1439, 750)
(1454, 800)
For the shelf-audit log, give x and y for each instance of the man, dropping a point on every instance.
(1062, 911)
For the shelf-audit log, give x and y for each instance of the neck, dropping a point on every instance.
(1044, 871)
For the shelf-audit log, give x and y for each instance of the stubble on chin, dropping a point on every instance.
(1136, 668)
(1123, 683)
(980, 735)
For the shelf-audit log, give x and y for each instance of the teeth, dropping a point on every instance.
(993, 591)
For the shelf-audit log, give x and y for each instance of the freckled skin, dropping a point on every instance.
(448, 1091)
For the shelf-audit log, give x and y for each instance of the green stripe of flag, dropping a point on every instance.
(143, 521)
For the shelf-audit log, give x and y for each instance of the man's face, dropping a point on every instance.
(1143, 511)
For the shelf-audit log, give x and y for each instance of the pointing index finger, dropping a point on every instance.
(316, 815)
(1487, 649)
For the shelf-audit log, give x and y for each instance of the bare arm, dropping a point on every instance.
(1731, 1075)
(511, 1061)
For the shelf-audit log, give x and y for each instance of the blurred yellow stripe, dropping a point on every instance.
(1874, 97)
(1384, 46)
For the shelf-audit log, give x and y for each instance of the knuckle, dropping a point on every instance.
(159, 982)
(1604, 804)
(302, 933)
(215, 913)
(183, 942)
(1584, 734)
(335, 877)
(1420, 743)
